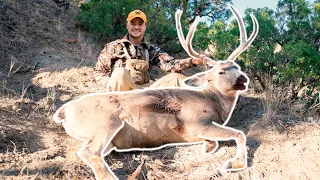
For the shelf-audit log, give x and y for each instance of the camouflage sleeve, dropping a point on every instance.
(102, 69)
(166, 62)
(106, 61)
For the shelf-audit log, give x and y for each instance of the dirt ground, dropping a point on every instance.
(46, 61)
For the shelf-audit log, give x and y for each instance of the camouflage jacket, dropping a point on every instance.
(113, 55)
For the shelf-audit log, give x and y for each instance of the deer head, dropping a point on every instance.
(226, 76)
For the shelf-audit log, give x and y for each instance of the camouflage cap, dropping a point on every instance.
(137, 13)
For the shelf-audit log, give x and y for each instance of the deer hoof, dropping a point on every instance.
(234, 165)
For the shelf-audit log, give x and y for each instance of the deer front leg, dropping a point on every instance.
(218, 132)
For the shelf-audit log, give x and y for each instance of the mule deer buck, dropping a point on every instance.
(151, 119)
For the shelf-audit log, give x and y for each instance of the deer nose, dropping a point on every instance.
(242, 79)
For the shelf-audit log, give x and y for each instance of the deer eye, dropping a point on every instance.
(222, 72)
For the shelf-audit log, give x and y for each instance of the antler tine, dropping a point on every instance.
(190, 35)
(187, 44)
(244, 42)
(179, 31)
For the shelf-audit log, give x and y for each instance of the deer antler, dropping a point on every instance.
(244, 42)
(187, 44)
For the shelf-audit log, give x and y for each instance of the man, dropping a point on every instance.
(125, 64)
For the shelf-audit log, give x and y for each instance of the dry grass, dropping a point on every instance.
(281, 111)
(275, 100)
(314, 113)
(275, 103)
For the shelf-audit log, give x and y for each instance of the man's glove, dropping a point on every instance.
(200, 60)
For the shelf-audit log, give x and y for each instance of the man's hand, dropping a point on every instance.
(200, 60)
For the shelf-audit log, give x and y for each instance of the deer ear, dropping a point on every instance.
(195, 81)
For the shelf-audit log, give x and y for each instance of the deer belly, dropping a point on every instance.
(149, 137)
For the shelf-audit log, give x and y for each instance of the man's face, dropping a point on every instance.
(136, 28)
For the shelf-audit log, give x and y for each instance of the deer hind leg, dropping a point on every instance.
(93, 153)
(223, 133)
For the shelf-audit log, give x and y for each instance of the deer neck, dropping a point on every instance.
(226, 100)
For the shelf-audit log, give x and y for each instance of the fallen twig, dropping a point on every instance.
(136, 172)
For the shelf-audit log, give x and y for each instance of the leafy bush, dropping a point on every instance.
(285, 52)
(107, 19)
